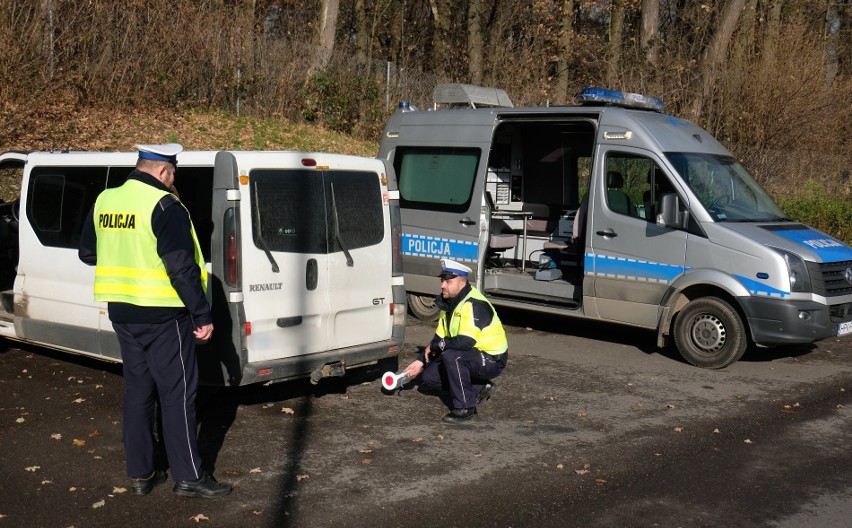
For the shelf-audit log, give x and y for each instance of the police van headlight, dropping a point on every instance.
(800, 280)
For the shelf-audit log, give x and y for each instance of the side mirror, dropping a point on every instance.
(669, 213)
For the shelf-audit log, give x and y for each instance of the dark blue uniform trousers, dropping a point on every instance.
(463, 373)
(160, 359)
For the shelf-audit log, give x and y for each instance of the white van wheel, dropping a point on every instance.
(709, 333)
(423, 307)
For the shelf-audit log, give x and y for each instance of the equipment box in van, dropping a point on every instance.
(609, 210)
(302, 251)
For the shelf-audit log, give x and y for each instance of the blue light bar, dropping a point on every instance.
(618, 98)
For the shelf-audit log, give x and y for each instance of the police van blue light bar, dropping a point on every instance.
(619, 98)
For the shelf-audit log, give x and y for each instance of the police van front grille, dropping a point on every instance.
(830, 279)
(840, 313)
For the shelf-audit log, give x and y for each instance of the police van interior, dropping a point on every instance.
(536, 176)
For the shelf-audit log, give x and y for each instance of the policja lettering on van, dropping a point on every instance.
(265, 287)
(117, 221)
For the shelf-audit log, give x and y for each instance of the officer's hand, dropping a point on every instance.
(427, 353)
(414, 369)
(203, 333)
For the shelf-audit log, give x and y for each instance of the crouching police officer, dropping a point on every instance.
(469, 348)
(150, 271)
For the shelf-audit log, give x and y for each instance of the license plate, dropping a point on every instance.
(844, 328)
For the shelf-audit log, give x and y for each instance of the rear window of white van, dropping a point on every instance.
(302, 211)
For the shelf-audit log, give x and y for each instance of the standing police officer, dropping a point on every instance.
(469, 348)
(150, 271)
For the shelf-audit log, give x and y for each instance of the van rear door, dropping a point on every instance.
(441, 200)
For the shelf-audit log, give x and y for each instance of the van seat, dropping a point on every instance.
(502, 241)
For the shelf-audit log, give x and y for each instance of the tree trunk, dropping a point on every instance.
(326, 30)
(474, 40)
(649, 39)
(361, 35)
(566, 45)
(616, 34)
(440, 28)
(716, 52)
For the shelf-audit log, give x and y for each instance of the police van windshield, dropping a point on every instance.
(725, 188)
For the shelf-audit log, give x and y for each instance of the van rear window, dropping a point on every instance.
(302, 211)
(436, 178)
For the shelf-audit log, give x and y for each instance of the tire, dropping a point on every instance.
(709, 333)
(423, 307)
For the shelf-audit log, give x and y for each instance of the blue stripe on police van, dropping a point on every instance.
(438, 247)
(829, 249)
(609, 266)
(760, 289)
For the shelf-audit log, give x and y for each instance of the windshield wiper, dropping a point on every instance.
(337, 235)
(260, 239)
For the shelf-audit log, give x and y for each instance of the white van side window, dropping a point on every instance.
(59, 198)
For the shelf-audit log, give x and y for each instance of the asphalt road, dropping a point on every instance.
(590, 426)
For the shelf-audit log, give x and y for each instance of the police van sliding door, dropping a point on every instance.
(284, 259)
(630, 260)
(440, 197)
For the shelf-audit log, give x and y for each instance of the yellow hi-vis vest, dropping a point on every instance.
(491, 339)
(129, 270)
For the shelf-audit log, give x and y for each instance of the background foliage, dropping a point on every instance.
(769, 78)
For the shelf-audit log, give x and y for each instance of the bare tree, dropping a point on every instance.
(616, 34)
(326, 30)
(474, 40)
(716, 52)
(566, 45)
(440, 29)
(649, 37)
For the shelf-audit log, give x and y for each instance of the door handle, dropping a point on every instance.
(609, 233)
(466, 221)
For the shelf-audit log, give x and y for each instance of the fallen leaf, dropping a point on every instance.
(440, 436)
(118, 490)
(287, 410)
(20, 420)
(365, 451)
(367, 461)
(45, 481)
(255, 470)
(200, 517)
(231, 473)
(56, 436)
(670, 406)
(678, 429)
(478, 455)
(600, 482)
(747, 441)
(256, 512)
(716, 431)
(300, 477)
(32, 469)
(79, 400)
(582, 414)
(418, 439)
(560, 466)
(77, 442)
(344, 397)
(94, 434)
(99, 504)
(581, 472)
(72, 489)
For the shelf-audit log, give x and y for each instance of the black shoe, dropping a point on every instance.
(206, 487)
(485, 393)
(460, 415)
(144, 485)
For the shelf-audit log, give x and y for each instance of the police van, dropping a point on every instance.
(302, 252)
(609, 210)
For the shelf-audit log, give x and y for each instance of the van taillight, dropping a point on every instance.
(231, 259)
(396, 238)
(231, 249)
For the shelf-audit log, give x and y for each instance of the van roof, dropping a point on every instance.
(648, 129)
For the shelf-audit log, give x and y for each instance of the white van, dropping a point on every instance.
(676, 236)
(302, 250)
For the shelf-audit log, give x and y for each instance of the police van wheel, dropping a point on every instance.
(423, 307)
(709, 333)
